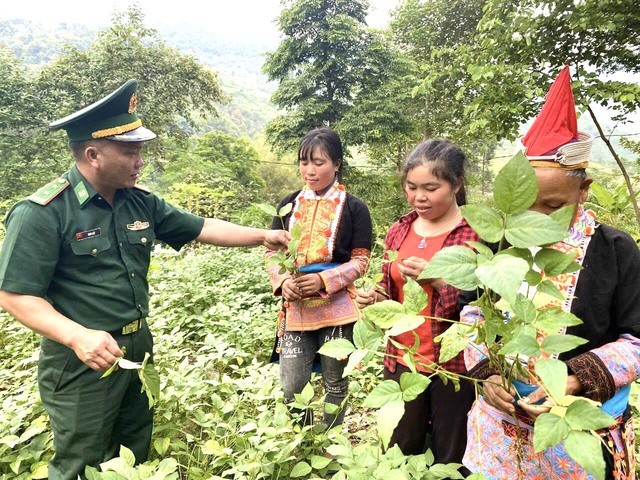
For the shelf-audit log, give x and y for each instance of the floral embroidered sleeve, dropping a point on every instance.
(340, 277)
(608, 368)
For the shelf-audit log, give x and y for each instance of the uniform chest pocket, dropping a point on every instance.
(143, 238)
(92, 260)
(93, 246)
(139, 245)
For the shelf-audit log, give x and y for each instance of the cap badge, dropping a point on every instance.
(133, 103)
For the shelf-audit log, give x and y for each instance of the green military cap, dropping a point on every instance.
(112, 117)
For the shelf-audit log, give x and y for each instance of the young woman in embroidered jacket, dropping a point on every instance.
(433, 180)
(334, 250)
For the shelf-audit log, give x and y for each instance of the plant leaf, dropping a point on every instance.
(454, 340)
(338, 348)
(516, 186)
(564, 216)
(366, 335)
(586, 449)
(285, 209)
(354, 359)
(385, 314)
(415, 298)
(386, 392)
(553, 374)
(556, 344)
(553, 262)
(530, 229)
(483, 250)
(150, 380)
(521, 345)
(412, 385)
(300, 470)
(485, 221)
(456, 265)
(405, 324)
(388, 417)
(503, 275)
(549, 430)
(318, 462)
(548, 288)
(269, 209)
(583, 415)
(551, 320)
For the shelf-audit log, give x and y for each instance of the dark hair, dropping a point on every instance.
(324, 138)
(580, 174)
(446, 160)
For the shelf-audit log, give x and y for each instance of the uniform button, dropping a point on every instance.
(120, 243)
(133, 275)
(94, 251)
(139, 307)
(143, 239)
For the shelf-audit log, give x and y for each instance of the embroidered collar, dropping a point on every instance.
(584, 225)
(319, 217)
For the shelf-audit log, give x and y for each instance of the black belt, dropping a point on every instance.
(128, 329)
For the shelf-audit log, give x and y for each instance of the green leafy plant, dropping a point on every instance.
(511, 319)
(285, 260)
(146, 371)
(615, 202)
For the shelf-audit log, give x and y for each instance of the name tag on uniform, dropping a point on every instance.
(88, 234)
(138, 225)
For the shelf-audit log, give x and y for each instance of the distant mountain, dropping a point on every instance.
(238, 64)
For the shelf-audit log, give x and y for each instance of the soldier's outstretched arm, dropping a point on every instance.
(226, 234)
(96, 348)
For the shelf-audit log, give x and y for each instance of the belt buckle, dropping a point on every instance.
(132, 327)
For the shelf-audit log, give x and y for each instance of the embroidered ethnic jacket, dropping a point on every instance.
(444, 301)
(336, 228)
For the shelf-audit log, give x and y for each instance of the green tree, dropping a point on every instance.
(326, 58)
(504, 70)
(216, 175)
(23, 134)
(176, 90)
(427, 32)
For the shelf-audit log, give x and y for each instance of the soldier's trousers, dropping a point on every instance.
(92, 417)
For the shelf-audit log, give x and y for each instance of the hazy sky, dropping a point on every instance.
(238, 19)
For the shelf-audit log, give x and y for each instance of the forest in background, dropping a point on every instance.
(265, 98)
(228, 117)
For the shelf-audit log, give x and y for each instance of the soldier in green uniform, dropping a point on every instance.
(73, 267)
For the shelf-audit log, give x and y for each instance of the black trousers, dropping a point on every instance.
(436, 419)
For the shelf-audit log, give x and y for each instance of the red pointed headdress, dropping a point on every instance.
(553, 140)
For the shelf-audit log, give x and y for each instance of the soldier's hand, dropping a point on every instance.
(276, 239)
(97, 349)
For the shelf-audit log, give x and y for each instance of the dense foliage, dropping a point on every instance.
(221, 413)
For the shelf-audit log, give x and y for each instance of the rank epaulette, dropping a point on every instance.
(45, 194)
(142, 188)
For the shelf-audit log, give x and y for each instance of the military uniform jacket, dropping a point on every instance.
(66, 244)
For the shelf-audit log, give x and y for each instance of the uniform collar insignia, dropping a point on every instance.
(81, 193)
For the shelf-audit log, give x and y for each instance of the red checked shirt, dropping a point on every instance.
(443, 304)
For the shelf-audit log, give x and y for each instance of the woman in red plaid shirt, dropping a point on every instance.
(433, 181)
